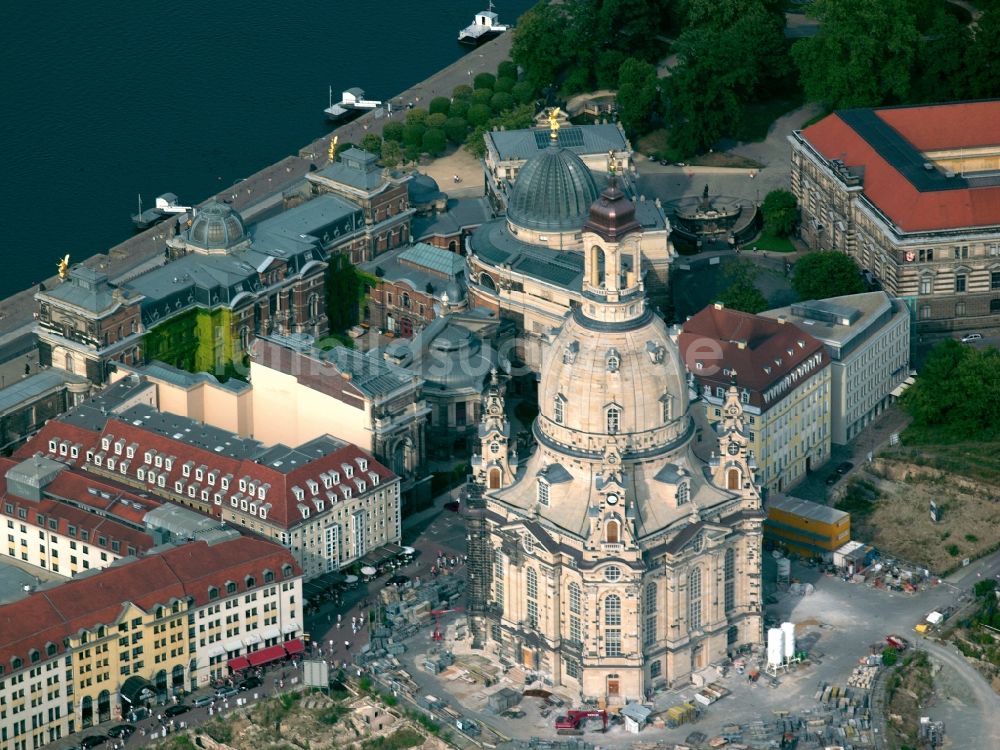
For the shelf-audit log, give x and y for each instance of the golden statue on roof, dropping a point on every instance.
(63, 267)
(554, 123)
(332, 155)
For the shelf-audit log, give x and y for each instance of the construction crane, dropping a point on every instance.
(438, 635)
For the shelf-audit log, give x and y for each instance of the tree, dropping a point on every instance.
(826, 273)
(633, 25)
(943, 65)
(412, 152)
(436, 120)
(416, 116)
(435, 142)
(393, 131)
(889, 656)
(984, 55)
(781, 213)
(863, 54)
(475, 143)
(523, 92)
(461, 91)
(459, 108)
(637, 94)
(372, 143)
(540, 45)
(484, 81)
(413, 134)
(481, 96)
(479, 114)
(742, 293)
(606, 68)
(507, 69)
(392, 154)
(501, 101)
(345, 289)
(456, 128)
(439, 105)
(504, 85)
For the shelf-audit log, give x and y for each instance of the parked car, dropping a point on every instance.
(250, 683)
(203, 700)
(177, 710)
(226, 692)
(972, 337)
(833, 478)
(844, 467)
(93, 740)
(124, 731)
(397, 580)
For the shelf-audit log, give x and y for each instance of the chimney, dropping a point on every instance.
(782, 319)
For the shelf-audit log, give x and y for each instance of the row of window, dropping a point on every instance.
(613, 414)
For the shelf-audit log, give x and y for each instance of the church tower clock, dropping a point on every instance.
(735, 468)
(496, 465)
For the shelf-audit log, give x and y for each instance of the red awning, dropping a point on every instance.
(294, 646)
(240, 662)
(266, 655)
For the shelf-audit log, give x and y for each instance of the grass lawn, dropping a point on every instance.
(773, 243)
(978, 461)
(657, 144)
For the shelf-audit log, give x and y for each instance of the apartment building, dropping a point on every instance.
(867, 337)
(92, 648)
(783, 376)
(911, 194)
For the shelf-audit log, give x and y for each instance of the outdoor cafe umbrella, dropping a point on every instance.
(351, 579)
(368, 571)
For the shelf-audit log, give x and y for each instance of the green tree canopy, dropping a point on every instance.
(984, 55)
(416, 116)
(523, 92)
(439, 105)
(826, 273)
(481, 96)
(484, 81)
(461, 91)
(632, 25)
(505, 85)
(781, 213)
(435, 142)
(392, 154)
(393, 131)
(413, 134)
(372, 143)
(459, 108)
(862, 56)
(638, 96)
(541, 46)
(436, 120)
(944, 70)
(955, 396)
(507, 69)
(608, 63)
(501, 101)
(479, 114)
(456, 128)
(345, 289)
(742, 293)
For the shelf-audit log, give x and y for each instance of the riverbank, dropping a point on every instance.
(145, 250)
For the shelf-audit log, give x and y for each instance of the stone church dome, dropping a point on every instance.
(216, 227)
(600, 381)
(553, 192)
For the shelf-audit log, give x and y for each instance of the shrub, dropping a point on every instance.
(436, 120)
(439, 105)
(507, 69)
(481, 96)
(524, 92)
(479, 114)
(971, 538)
(889, 656)
(459, 108)
(393, 131)
(781, 213)
(505, 84)
(434, 142)
(953, 550)
(416, 116)
(331, 714)
(455, 128)
(461, 92)
(413, 134)
(501, 101)
(372, 143)
(484, 81)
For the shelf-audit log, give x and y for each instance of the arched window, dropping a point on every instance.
(694, 599)
(498, 578)
(613, 610)
(668, 408)
(574, 598)
(245, 338)
(268, 576)
(543, 492)
(683, 494)
(559, 409)
(406, 300)
(614, 420)
(650, 602)
(251, 582)
(213, 593)
(50, 649)
(230, 587)
(286, 571)
(729, 578)
(34, 655)
(611, 532)
(313, 307)
(487, 281)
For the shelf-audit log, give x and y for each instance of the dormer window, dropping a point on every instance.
(543, 491)
(179, 487)
(130, 450)
(745, 397)
(335, 477)
(313, 486)
(212, 476)
(614, 360)
(363, 464)
(217, 498)
(105, 443)
(374, 478)
(111, 463)
(559, 409)
(348, 470)
(243, 484)
(683, 494)
(186, 468)
(345, 491)
(168, 463)
(147, 457)
(199, 473)
(262, 491)
(119, 446)
(53, 446)
(140, 474)
(224, 484)
(327, 480)
(298, 493)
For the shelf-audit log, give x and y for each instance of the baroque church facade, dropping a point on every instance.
(612, 561)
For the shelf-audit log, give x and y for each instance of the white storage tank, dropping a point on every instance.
(784, 567)
(775, 645)
(788, 629)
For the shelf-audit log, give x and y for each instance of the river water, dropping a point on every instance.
(102, 101)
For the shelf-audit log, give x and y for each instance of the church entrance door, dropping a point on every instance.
(613, 685)
(494, 479)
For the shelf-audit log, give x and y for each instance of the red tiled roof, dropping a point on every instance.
(50, 616)
(926, 128)
(711, 337)
(284, 510)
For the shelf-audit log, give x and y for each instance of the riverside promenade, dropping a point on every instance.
(146, 250)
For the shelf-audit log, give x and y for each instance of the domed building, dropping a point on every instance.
(529, 267)
(216, 228)
(612, 561)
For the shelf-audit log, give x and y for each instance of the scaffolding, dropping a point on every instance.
(479, 566)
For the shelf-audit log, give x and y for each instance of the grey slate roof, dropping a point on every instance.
(581, 139)
(285, 459)
(185, 379)
(446, 355)
(93, 413)
(356, 168)
(434, 259)
(553, 192)
(420, 265)
(494, 243)
(192, 432)
(325, 217)
(85, 288)
(462, 215)
(34, 386)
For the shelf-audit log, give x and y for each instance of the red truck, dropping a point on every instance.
(897, 642)
(570, 722)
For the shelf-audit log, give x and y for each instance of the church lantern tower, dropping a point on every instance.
(496, 464)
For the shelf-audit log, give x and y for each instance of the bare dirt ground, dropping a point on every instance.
(458, 162)
(900, 522)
